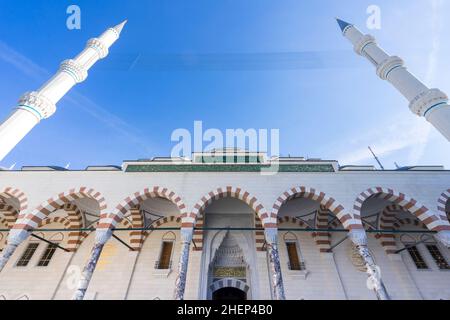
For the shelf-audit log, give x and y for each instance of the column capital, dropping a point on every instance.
(38, 104)
(358, 237)
(443, 237)
(17, 236)
(271, 235)
(102, 235)
(186, 234)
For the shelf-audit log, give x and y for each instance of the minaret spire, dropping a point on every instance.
(432, 104)
(120, 26)
(41, 104)
(343, 24)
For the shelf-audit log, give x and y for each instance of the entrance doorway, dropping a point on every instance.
(229, 293)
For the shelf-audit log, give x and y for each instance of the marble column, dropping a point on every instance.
(359, 238)
(15, 238)
(276, 277)
(101, 237)
(180, 283)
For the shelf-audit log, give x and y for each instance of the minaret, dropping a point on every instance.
(41, 104)
(429, 103)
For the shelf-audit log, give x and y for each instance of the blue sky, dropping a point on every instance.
(231, 64)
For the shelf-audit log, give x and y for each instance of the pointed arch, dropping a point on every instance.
(442, 203)
(388, 221)
(429, 218)
(132, 203)
(33, 220)
(138, 197)
(348, 221)
(229, 192)
(11, 192)
(196, 217)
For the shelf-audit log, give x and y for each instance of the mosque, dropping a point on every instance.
(213, 227)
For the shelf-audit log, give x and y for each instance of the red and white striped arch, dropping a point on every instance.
(387, 221)
(13, 193)
(322, 238)
(9, 214)
(329, 203)
(33, 219)
(229, 192)
(111, 220)
(65, 222)
(429, 218)
(442, 203)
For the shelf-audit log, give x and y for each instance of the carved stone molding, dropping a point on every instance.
(98, 46)
(363, 42)
(388, 65)
(425, 100)
(74, 69)
(37, 103)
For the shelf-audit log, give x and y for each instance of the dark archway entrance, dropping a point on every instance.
(229, 293)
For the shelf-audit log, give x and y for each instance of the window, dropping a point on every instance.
(417, 257)
(27, 255)
(294, 261)
(47, 255)
(165, 256)
(438, 257)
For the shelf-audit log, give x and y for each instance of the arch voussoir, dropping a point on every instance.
(432, 220)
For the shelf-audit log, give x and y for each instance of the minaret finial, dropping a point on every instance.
(120, 26)
(343, 24)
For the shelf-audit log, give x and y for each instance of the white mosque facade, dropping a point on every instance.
(231, 205)
(218, 226)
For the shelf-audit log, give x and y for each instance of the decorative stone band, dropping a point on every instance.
(74, 69)
(38, 104)
(363, 42)
(98, 46)
(386, 66)
(427, 100)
